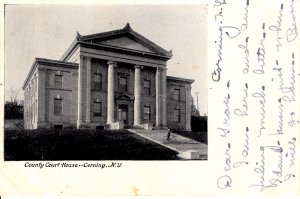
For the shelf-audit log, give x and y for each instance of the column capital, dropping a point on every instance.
(113, 63)
(85, 57)
(188, 87)
(161, 69)
(138, 66)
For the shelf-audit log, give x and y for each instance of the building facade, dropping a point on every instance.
(114, 80)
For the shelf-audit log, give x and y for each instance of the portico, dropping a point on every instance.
(84, 94)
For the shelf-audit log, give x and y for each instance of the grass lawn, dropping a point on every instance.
(81, 145)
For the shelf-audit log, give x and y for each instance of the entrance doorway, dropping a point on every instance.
(123, 113)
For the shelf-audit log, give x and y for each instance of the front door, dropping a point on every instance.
(123, 113)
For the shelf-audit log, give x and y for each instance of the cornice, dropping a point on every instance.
(51, 62)
(180, 79)
(116, 49)
(47, 62)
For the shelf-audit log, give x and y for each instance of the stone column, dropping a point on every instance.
(158, 97)
(164, 96)
(111, 92)
(80, 92)
(137, 95)
(88, 90)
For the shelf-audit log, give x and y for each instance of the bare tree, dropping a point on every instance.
(13, 94)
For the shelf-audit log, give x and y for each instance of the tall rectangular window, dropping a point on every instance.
(97, 109)
(147, 113)
(123, 84)
(97, 82)
(177, 94)
(177, 115)
(58, 81)
(58, 105)
(147, 88)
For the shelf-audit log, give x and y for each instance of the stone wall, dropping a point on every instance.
(183, 104)
(47, 93)
(31, 102)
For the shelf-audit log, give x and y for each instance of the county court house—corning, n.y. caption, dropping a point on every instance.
(114, 79)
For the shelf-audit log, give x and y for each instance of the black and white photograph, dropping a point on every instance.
(105, 82)
(149, 98)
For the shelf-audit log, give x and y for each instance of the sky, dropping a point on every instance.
(46, 31)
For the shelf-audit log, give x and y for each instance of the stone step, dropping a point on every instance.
(187, 148)
(150, 138)
(192, 155)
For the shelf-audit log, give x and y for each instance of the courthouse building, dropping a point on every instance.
(115, 79)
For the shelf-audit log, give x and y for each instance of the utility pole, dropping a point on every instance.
(197, 102)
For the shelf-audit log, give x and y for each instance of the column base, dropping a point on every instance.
(188, 129)
(43, 125)
(115, 125)
(137, 125)
(146, 126)
(83, 125)
(78, 125)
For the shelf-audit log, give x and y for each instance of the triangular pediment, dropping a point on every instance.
(124, 96)
(125, 38)
(125, 42)
(120, 40)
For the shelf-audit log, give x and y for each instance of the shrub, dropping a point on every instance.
(69, 127)
(13, 110)
(199, 123)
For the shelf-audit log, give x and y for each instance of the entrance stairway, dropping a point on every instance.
(187, 148)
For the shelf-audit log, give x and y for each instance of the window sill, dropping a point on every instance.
(60, 89)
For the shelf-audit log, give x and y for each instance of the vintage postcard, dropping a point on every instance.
(150, 98)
